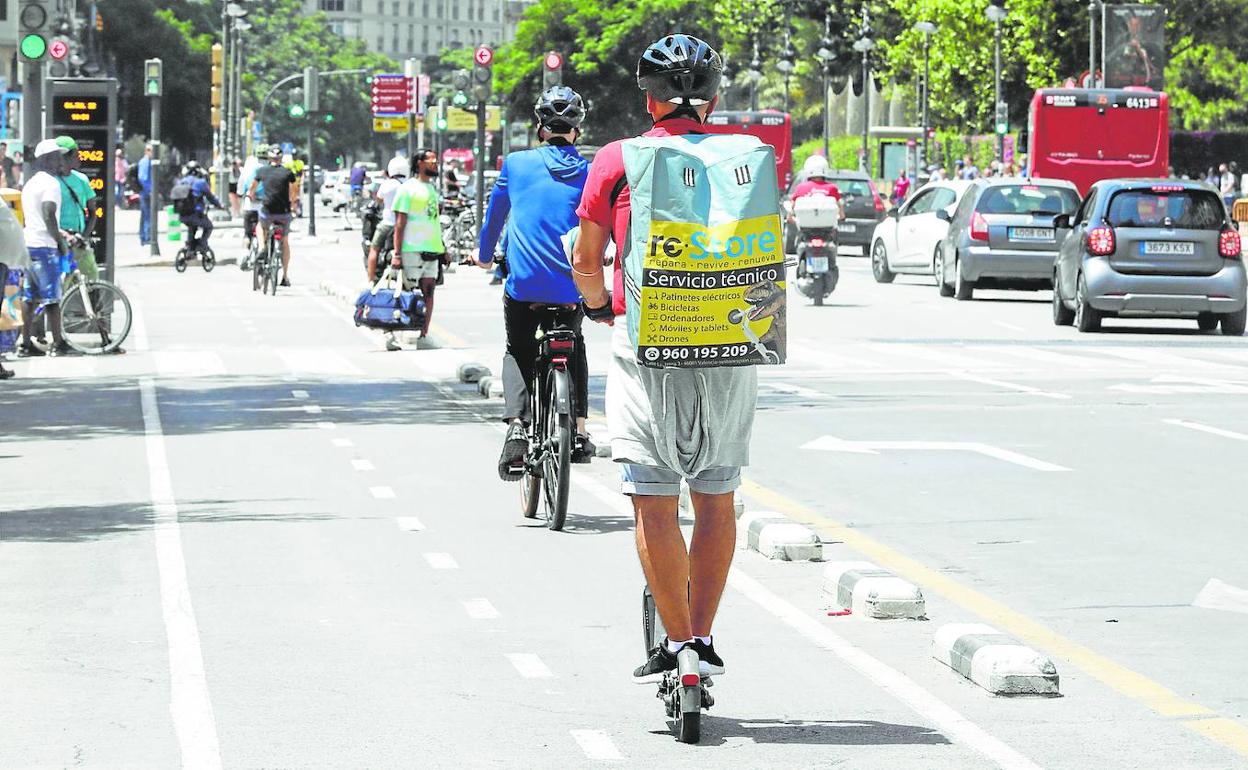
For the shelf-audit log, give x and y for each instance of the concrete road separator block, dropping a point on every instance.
(495, 389)
(484, 384)
(776, 537)
(872, 592)
(996, 662)
(472, 372)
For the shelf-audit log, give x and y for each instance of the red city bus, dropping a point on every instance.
(1086, 135)
(774, 128)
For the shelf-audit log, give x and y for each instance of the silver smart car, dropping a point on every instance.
(1002, 236)
(1150, 248)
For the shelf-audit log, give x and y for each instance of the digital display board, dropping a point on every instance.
(85, 109)
(80, 111)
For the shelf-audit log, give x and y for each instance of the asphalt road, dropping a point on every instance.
(257, 540)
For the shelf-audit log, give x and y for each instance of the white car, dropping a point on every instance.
(329, 188)
(906, 241)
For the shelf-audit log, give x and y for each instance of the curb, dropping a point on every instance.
(996, 662)
(472, 372)
(489, 387)
(869, 591)
(162, 261)
(776, 537)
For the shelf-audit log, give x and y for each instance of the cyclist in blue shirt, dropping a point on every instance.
(540, 190)
(193, 176)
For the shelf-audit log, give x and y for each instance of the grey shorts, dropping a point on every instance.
(651, 481)
(381, 235)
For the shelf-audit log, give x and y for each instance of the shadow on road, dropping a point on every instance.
(83, 523)
(716, 731)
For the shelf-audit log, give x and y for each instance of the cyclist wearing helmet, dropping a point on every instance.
(275, 187)
(539, 189)
(193, 176)
(396, 173)
(680, 75)
(251, 206)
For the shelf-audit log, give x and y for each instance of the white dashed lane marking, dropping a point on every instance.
(529, 665)
(362, 465)
(596, 744)
(480, 609)
(326, 425)
(312, 409)
(343, 442)
(441, 561)
(381, 493)
(299, 393)
(409, 524)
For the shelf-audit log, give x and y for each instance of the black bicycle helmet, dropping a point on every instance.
(560, 109)
(680, 69)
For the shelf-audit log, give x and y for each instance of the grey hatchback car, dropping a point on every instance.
(1150, 248)
(1002, 236)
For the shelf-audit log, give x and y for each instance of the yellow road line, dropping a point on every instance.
(1132, 684)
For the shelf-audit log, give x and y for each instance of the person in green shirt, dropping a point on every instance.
(418, 247)
(77, 208)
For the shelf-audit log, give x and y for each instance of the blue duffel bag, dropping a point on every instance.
(390, 306)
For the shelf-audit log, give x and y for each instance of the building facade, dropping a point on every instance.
(418, 28)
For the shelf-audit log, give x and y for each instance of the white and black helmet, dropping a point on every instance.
(560, 109)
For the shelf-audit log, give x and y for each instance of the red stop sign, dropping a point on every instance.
(553, 61)
(483, 56)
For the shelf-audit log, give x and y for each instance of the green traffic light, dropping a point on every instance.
(297, 111)
(441, 124)
(329, 117)
(459, 99)
(34, 46)
(1003, 128)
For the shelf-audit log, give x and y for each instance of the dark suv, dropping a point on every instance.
(864, 209)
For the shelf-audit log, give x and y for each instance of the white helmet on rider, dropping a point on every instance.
(816, 166)
(397, 167)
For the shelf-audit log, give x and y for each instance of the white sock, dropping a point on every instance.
(704, 640)
(675, 647)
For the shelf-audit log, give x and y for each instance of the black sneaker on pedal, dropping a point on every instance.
(661, 661)
(583, 450)
(511, 461)
(709, 662)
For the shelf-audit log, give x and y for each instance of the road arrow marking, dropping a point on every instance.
(833, 444)
(1217, 595)
(1208, 429)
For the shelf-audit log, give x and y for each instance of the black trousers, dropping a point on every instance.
(196, 222)
(522, 322)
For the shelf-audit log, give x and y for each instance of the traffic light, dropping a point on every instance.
(442, 124)
(1003, 117)
(329, 117)
(297, 108)
(153, 82)
(311, 89)
(460, 81)
(34, 29)
(460, 99)
(482, 73)
(552, 70)
(217, 59)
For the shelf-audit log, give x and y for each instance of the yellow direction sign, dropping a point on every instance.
(395, 125)
(466, 120)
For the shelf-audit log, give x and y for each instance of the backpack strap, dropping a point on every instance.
(618, 189)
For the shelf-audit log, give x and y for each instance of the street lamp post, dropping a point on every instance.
(928, 29)
(1093, 7)
(240, 26)
(785, 63)
(231, 13)
(826, 54)
(755, 75)
(996, 14)
(864, 45)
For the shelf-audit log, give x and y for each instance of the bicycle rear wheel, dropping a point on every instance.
(95, 317)
(557, 459)
(257, 271)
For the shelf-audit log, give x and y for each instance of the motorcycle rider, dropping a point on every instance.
(816, 171)
(707, 413)
(396, 174)
(540, 189)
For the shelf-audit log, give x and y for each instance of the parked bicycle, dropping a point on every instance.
(95, 314)
(547, 463)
